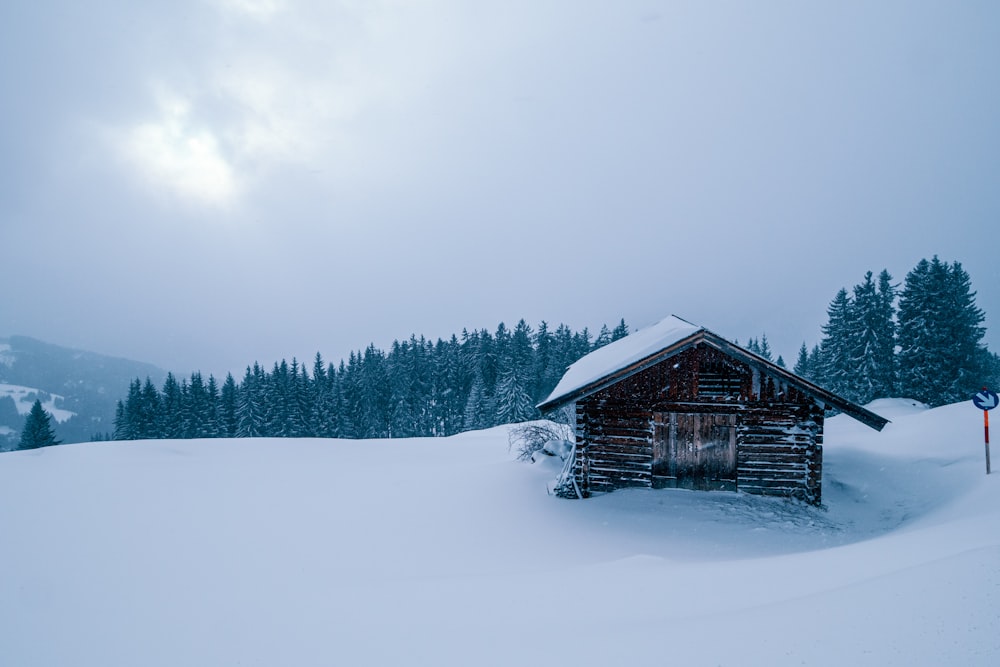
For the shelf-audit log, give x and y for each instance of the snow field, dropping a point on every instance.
(449, 552)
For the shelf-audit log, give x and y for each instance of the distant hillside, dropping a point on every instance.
(79, 388)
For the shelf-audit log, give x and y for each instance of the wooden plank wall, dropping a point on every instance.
(779, 431)
(618, 451)
(779, 451)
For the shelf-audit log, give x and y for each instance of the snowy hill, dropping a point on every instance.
(24, 397)
(449, 552)
(79, 389)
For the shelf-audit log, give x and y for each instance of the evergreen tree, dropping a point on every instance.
(451, 387)
(603, 337)
(121, 428)
(816, 366)
(513, 400)
(196, 408)
(620, 331)
(322, 410)
(764, 349)
(350, 396)
(344, 425)
(581, 344)
(374, 413)
(481, 361)
(802, 367)
(564, 353)
(837, 347)
(127, 424)
(991, 369)
(227, 408)
(37, 430)
(887, 378)
(547, 369)
(759, 346)
(172, 406)
(479, 409)
(210, 427)
(513, 404)
(299, 410)
(276, 401)
(872, 340)
(149, 418)
(402, 422)
(249, 408)
(940, 355)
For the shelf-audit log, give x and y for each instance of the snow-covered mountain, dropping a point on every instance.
(80, 389)
(449, 552)
(24, 397)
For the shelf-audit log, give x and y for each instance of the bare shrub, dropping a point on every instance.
(553, 437)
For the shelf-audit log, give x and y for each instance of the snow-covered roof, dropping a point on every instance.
(617, 360)
(623, 352)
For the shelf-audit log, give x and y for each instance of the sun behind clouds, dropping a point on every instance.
(175, 155)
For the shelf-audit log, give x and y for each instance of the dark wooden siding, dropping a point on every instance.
(779, 451)
(618, 452)
(778, 430)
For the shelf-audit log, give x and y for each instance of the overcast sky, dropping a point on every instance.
(205, 183)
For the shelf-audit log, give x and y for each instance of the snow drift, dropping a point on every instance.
(449, 551)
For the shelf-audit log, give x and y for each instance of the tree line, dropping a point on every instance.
(417, 388)
(923, 341)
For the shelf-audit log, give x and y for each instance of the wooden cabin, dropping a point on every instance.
(675, 405)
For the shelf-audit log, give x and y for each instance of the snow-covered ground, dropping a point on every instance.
(24, 398)
(449, 552)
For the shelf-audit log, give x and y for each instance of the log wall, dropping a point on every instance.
(778, 429)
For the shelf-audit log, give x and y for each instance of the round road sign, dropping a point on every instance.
(985, 400)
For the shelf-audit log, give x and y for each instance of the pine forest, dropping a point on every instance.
(419, 388)
(921, 340)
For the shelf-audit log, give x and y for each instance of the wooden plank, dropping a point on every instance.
(615, 473)
(762, 444)
(615, 449)
(784, 492)
(779, 456)
(748, 483)
(599, 469)
(802, 450)
(620, 479)
(638, 439)
(773, 466)
(623, 458)
(618, 473)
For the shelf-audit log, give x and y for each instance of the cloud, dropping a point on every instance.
(261, 10)
(175, 155)
(318, 89)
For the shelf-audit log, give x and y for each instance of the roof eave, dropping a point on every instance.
(855, 411)
(866, 417)
(622, 373)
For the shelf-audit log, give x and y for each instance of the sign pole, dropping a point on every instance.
(986, 428)
(986, 400)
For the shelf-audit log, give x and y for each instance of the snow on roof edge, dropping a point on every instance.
(614, 356)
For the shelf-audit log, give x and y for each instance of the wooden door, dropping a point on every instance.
(694, 450)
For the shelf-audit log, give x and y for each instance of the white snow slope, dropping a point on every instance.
(24, 398)
(449, 552)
